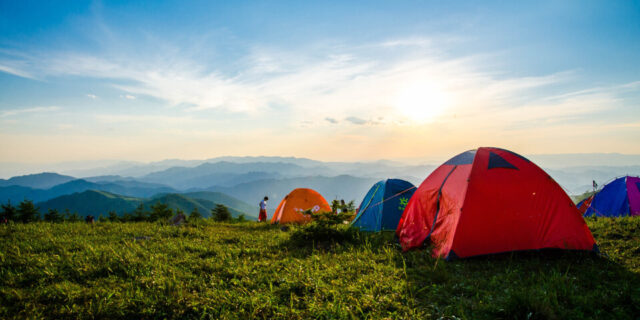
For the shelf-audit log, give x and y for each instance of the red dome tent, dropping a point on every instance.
(491, 200)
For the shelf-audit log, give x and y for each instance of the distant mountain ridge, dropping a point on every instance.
(43, 180)
(95, 202)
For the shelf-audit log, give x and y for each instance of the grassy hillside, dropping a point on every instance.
(187, 204)
(251, 270)
(91, 202)
(231, 202)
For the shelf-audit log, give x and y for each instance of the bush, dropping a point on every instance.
(53, 216)
(195, 214)
(220, 213)
(9, 211)
(28, 212)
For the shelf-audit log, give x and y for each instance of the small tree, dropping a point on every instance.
(160, 211)
(140, 214)
(195, 214)
(28, 212)
(102, 218)
(53, 216)
(241, 218)
(71, 217)
(113, 216)
(9, 211)
(220, 213)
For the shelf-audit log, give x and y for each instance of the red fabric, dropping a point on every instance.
(263, 215)
(585, 205)
(485, 211)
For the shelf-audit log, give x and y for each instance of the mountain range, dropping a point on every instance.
(241, 182)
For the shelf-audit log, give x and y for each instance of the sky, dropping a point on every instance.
(336, 81)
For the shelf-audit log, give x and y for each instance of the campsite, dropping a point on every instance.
(529, 254)
(282, 159)
(245, 270)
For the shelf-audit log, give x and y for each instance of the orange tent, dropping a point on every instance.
(290, 208)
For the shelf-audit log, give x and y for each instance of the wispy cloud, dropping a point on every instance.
(14, 112)
(333, 82)
(92, 96)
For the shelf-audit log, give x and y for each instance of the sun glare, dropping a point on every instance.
(422, 102)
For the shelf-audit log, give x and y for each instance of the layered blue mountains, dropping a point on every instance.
(241, 182)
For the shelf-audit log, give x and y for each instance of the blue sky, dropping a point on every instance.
(328, 80)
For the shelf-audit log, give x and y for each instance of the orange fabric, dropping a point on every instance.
(301, 199)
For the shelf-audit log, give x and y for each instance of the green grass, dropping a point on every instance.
(251, 270)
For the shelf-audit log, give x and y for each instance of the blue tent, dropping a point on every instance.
(382, 207)
(618, 198)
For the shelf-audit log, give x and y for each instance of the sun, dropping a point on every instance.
(422, 101)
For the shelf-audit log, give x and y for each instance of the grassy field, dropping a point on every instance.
(251, 270)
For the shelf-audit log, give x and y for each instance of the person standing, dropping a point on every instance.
(263, 210)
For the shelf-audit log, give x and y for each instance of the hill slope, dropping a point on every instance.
(94, 202)
(91, 202)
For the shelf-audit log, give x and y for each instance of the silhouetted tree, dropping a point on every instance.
(160, 211)
(139, 214)
(195, 214)
(28, 212)
(71, 217)
(9, 211)
(113, 216)
(220, 213)
(53, 216)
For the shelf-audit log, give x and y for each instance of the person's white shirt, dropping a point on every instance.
(263, 205)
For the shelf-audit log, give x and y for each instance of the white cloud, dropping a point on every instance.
(92, 96)
(331, 83)
(14, 112)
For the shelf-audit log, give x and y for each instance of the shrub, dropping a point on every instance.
(220, 213)
(195, 214)
(28, 212)
(53, 216)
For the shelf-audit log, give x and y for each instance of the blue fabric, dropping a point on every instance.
(463, 158)
(496, 161)
(611, 201)
(382, 207)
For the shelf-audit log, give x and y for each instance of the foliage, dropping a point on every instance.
(255, 271)
(27, 212)
(220, 213)
(195, 214)
(160, 211)
(140, 214)
(9, 211)
(53, 216)
(113, 216)
(71, 217)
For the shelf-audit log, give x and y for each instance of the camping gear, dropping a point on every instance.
(618, 198)
(382, 207)
(297, 201)
(491, 200)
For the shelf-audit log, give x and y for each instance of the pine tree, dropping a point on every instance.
(9, 211)
(113, 216)
(220, 213)
(28, 212)
(195, 214)
(53, 216)
(160, 211)
(139, 214)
